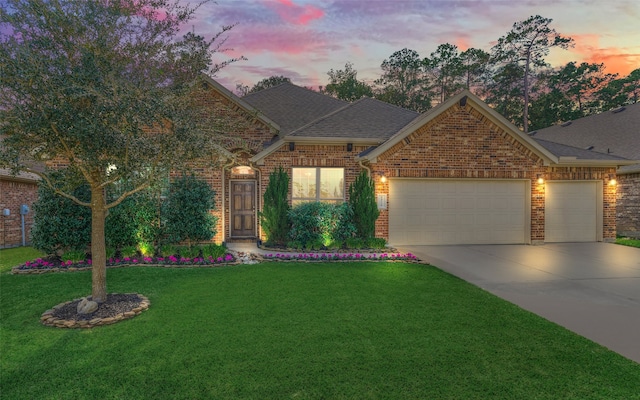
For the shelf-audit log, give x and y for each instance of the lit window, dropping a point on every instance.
(317, 184)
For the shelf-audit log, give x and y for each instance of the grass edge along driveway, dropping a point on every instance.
(303, 331)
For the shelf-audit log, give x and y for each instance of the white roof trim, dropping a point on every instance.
(243, 104)
(264, 153)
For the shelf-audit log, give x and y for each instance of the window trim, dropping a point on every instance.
(318, 184)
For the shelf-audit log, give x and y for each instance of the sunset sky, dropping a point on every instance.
(303, 39)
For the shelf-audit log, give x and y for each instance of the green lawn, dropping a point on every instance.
(628, 242)
(18, 255)
(302, 331)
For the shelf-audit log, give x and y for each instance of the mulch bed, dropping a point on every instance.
(117, 307)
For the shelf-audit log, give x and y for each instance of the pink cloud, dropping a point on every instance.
(616, 59)
(295, 14)
(281, 39)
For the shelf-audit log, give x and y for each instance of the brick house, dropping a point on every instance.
(16, 190)
(459, 173)
(614, 132)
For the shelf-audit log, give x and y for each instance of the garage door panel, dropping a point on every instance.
(571, 211)
(457, 212)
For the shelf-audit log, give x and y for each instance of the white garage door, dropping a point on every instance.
(571, 212)
(457, 212)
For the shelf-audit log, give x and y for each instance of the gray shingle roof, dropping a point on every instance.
(562, 150)
(616, 133)
(366, 118)
(291, 106)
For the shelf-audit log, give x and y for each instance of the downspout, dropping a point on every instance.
(224, 211)
(365, 168)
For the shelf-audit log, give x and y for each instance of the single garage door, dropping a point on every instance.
(571, 212)
(428, 212)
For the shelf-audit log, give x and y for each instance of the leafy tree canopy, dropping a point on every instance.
(106, 90)
(269, 82)
(344, 84)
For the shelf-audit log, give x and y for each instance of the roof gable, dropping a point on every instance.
(229, 96)
(291, 106)
(467, 100)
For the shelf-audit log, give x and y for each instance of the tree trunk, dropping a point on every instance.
(525, 112)
(98, 251)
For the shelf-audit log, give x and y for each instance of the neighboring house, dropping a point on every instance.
(457, 174)
(615, 132)
(15, 191)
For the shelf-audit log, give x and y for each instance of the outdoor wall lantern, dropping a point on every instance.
(242, 170)
(612, 180)
(383, 179)
(292, 146)
(540, 179)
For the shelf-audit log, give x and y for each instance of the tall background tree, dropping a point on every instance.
(107, 92)
(446, 70)
(403, 81)
(527, 44)
(344, 84)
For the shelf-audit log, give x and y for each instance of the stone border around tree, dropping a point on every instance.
(48, 319)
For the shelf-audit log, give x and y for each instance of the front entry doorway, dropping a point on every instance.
(243, 209)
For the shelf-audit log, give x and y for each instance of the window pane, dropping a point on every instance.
(332, 183)
(304, 183)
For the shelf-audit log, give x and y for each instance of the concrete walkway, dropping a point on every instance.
(592, 289)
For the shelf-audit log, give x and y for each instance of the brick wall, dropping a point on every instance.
(312, 155)
(628, 205)
(462, 143)
(12, 195)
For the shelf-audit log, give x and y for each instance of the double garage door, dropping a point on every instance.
(438, 212)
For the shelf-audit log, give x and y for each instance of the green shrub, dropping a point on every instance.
(119, 227)
(316, 244)
(343, 220)
(146, 249)
(60, 224)
(135, 221)
(355, 243)
(335, 245)
(189, 251)
(186, 211)
(168, 250)
(274, 218)
(213, 250)
(128, 251)
(323, 222)
(110, 252)
(294, 244)
(363, 203)
(74, 255)
(376, 243)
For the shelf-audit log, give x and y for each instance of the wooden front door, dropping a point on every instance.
(243, 209)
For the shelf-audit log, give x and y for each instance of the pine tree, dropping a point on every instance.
(274, 216)
(363, 202)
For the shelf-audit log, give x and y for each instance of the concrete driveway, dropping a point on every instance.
(592, 289)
